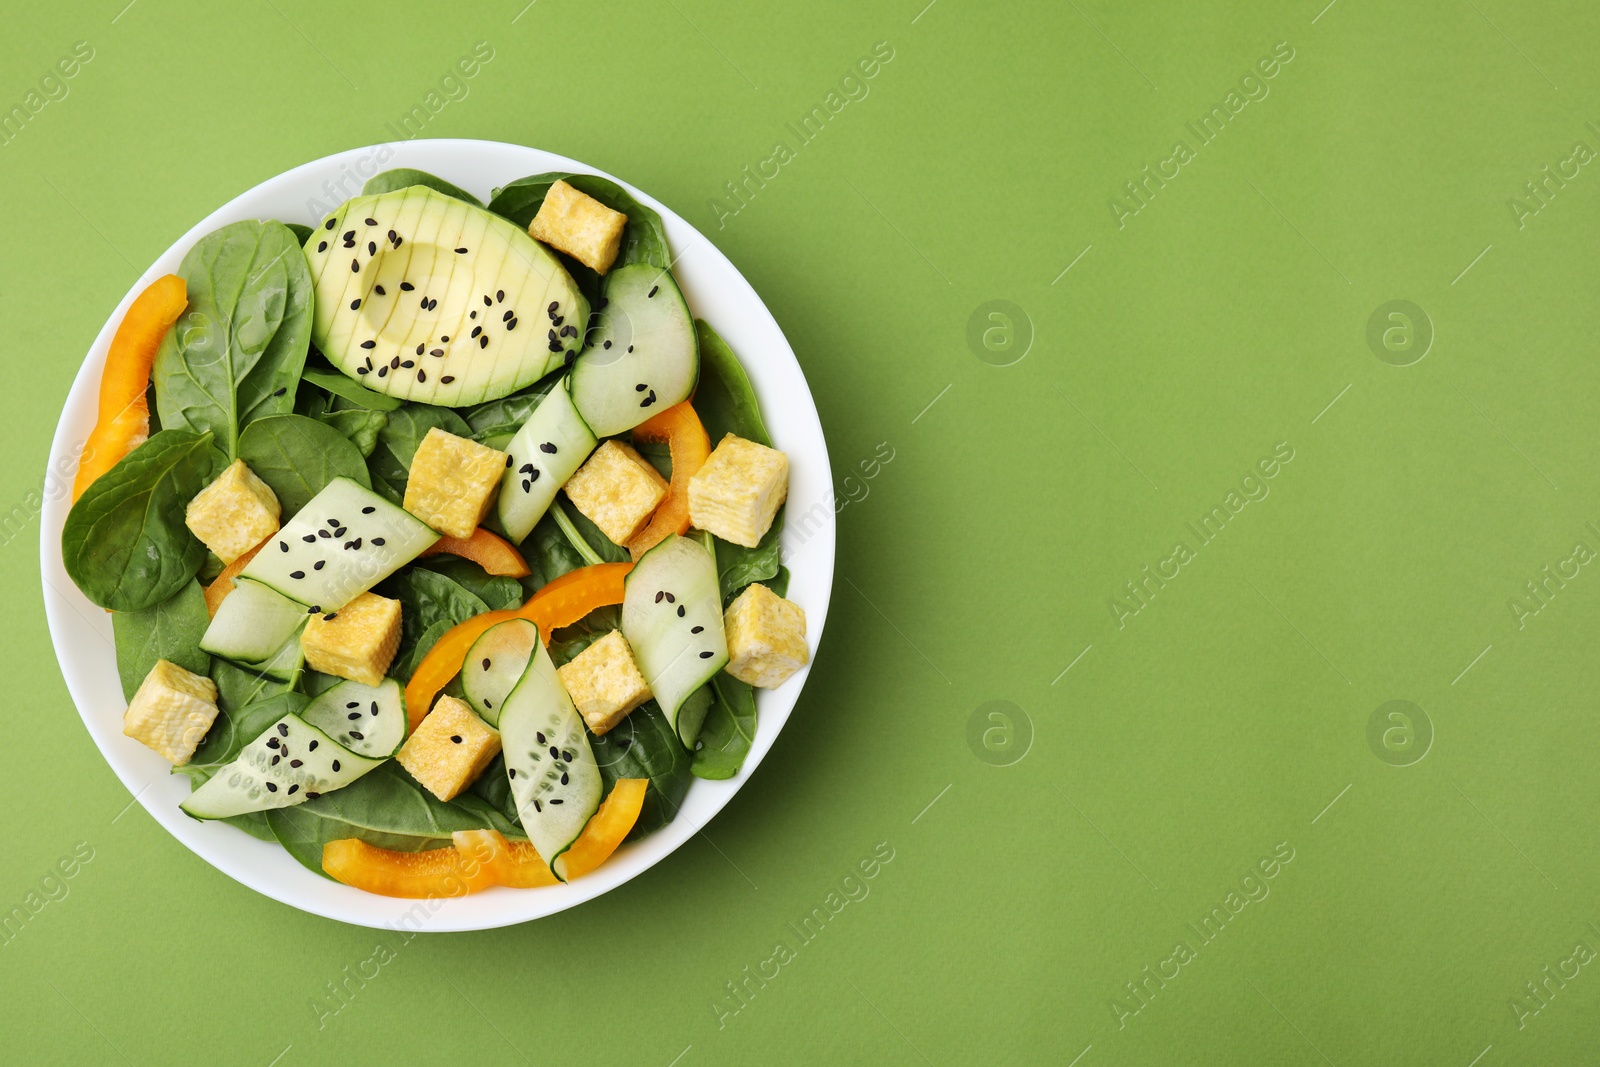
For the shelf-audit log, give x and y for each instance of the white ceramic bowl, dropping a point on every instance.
(82, 632)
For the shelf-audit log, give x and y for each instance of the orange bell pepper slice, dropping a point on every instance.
(123, 422)
(560, 603)
(479, 859)
(488, 550)
(222, 585)
(681, 429)
(607, 827)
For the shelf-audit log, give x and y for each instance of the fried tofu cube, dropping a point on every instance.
(235, 513)
(580, 226)
(453, 482)
(357, 642)
(738, 491)
(604, 682)
(766, 637)
(617, 489)
(172, 711)
(449, 749)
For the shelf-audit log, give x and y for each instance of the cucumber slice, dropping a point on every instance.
(289, 764)
(495, 664)
(253, 623)
(642, 356)
(554, 778)
(285, 664)
(368, 720)
(548, 450)
(672, 616)
(342, 543)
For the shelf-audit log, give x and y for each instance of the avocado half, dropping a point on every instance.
(425, 297)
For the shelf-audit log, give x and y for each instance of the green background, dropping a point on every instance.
(1226, 718)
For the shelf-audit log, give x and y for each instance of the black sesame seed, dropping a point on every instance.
(355, 266)
(353, 716)
(654, 289)
(362, 370)
(456, 738)
(272, 742)
(408, 364)
(283, 545)
(435, 352)
(329, 224)
(509, 461)
(406, 287)
(383, 370)
(540, 735)
(680, 611)
(483, 342)
(641, 387)
(697, 629)
(472, 315)
(322, 246)
(671, 599)
(659, 595)
(563, 777)
(488, 703)
(340, 532)
(556, 321)
(444, 338)
(420, 348)
(647, 401)
(318, 565)
(283, 729)
(397, 242)
(487, 302)
(705, 655)
(555, 346)
(552, 334)
(422, 375)
(511, 772)
(312, 747)
(350, 235)
(508, 316)
(476, 330)
(336, 765)
(271, 788)
(378, 541)
(394, 364)
(297, 574)
(548, 448)
(379, 290)
(358, 735)
(630, 348)
(374, 222)
(512, 325)
(447, 379)
(606, 345)
(281, 391)
(353, 704)
(324, 533)
(461, 251)
(372, 248)
(527, 486)
(355, 305)
(555, 753)
(312, 794)
(293, 789)
(315, 609)
(500, 294)
(537, 806)
(369, 344)
(368, 510)
(295, 763)
(556, 801)
(552, 308)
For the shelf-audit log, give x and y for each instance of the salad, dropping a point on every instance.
(441, 541)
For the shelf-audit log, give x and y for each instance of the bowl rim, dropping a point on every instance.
(714, 288)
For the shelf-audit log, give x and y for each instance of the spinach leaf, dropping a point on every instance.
(644, 239)
(234, 729)
(236, 354)
(390, 462)
(404, 178)
(171, 631)
(125, 543)
(333, 382)
(497, 591)
(728, 731)
(738, 566)
(430, 604)
(493, 787)
(723, 398)
(386, 808)
(301, 231)
(644, 746)
(360, 428)
(548, 553)
(238, 687)
(496, 418)
(298, 456)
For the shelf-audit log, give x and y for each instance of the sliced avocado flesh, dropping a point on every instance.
(457, 307)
